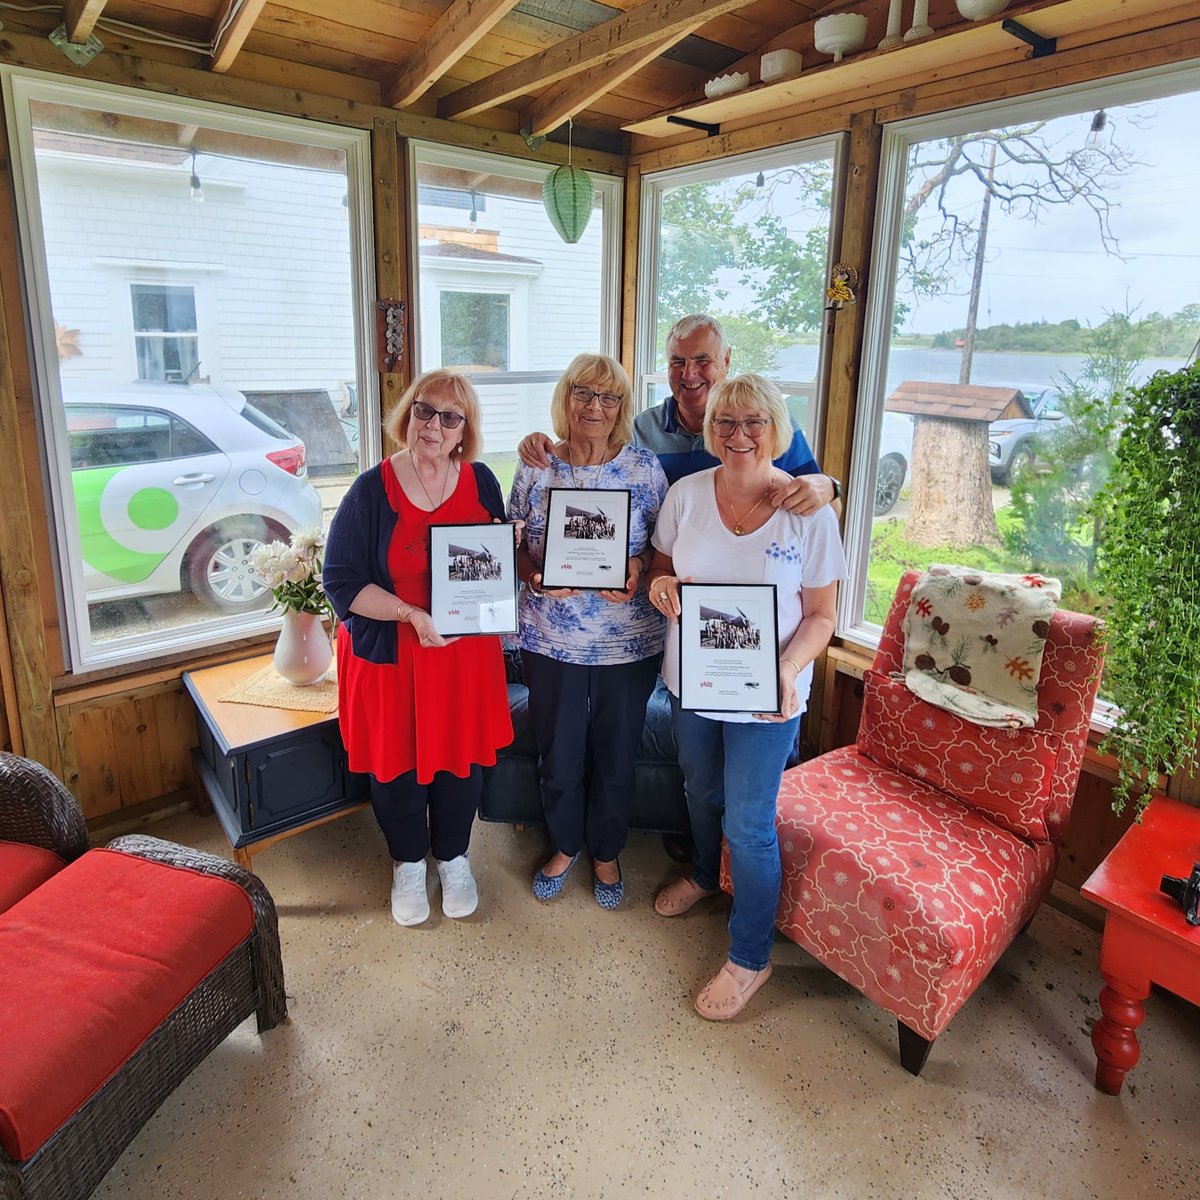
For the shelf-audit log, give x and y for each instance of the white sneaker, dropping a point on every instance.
(410, 904)
(460, 897)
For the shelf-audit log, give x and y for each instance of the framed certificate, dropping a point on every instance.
(587, 539)
(728, 648)
(474, 579)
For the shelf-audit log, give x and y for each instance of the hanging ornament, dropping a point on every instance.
(568, 196)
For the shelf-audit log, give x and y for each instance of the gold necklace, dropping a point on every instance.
(739, 522)
(421, 483)
(571, 465)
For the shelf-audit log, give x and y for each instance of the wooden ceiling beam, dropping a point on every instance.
(647, 23)
(569, 96)
(449, 38)
(80, 17)
(235, 33)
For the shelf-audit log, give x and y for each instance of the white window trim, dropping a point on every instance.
(650, 222)
(518, 316)
(20, 86)
(1156, 83)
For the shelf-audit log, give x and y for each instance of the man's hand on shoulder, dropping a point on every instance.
(805, 494)
(534, 448)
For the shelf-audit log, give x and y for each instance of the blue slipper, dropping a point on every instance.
(546, 887)
(610, 895)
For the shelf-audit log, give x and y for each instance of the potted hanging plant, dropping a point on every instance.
(293, 573)
(1150, 556)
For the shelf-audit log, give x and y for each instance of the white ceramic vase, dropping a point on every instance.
(303, 653)
(980, 10)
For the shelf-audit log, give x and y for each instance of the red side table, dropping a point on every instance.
(1146, 939)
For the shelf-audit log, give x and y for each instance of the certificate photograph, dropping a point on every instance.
(474, 579)
(587, 539)
(728, 651)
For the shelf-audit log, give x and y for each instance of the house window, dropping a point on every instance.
(747, 239)
(164, 332)
(475, 330)
(1033, 259)
(194, 368)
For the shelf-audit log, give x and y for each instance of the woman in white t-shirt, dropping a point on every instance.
(720, 526)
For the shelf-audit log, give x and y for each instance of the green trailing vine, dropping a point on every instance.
(1151, 563)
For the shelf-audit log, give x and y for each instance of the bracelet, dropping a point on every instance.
(654, 579)
(791, 663)
(402, 616)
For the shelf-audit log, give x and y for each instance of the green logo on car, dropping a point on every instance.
(150, 508)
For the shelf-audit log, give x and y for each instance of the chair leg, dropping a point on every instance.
(914, 1049)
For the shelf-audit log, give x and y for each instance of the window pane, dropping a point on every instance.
(501, 295)
(1042, 265)
(169, 479)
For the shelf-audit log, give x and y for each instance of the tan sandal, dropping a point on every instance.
(724, 997)
(679, 897)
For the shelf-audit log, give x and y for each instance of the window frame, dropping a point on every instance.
(21, 87)
(1137, 87)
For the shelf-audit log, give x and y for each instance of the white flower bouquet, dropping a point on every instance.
(293, 572)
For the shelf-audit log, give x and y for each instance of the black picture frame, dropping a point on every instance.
(587, 539)
(729, 648)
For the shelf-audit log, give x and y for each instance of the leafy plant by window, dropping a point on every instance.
(1150, 557)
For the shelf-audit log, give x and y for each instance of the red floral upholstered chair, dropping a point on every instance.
(913, 858)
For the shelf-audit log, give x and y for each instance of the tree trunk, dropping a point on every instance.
(951, 499)
(968, 353)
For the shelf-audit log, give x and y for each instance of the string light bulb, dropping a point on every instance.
(1099, 124)
(473, 219)
(197, 189)
(761, 181)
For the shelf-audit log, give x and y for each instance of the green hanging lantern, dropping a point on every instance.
(568, 196)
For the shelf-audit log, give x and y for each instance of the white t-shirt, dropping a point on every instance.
(789, 551)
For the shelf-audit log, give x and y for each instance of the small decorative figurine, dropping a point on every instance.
(843, 287)
(1186, 892)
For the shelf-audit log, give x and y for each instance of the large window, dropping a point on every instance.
(502, 296)
(196, 278)
(1033, 260)
(748, 239)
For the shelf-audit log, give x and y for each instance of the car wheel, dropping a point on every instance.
(1022, 460)
(219, 565)
(889, 479)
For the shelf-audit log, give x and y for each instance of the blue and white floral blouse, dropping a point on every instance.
(587, 629)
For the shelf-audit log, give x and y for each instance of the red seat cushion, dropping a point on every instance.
(1006, 774)
(23, 868)
(90, 965)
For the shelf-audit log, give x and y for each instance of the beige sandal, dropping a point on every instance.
(679, 897)
(724, 997)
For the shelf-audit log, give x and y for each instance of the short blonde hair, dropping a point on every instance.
(753, 392)
(601, 374)
(439, 380)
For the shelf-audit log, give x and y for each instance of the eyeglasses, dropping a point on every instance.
(585, 395)
(426, 412)
(752, 427)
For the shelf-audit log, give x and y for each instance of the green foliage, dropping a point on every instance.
(699, 238)
(1158, 336)
(1150, 558)
(788, 276)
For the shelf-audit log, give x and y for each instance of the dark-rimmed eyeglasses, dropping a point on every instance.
(585, 395)
(752, 427)
(426, 412)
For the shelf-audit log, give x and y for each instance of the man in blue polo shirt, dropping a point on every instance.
(697, 359)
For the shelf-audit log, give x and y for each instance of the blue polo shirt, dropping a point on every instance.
(682, 453)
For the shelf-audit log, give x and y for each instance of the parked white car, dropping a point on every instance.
(176, 486)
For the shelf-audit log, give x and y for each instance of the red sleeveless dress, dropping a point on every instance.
(434, 709)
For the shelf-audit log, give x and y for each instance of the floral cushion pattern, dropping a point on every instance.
(973, 642)
(1005, 773)
(906, 893)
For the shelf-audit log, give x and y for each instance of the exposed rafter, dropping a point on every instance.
(449, 38)
(647, 23)
(567, 98)
(80, 16)
(232, 30)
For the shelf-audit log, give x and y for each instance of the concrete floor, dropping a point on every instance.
(535, 1051)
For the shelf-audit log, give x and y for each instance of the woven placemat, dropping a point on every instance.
(270, 689)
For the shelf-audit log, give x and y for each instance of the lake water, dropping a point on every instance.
(1026, 371)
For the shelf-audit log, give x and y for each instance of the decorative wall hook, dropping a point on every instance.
(389, 334)
(843, 287)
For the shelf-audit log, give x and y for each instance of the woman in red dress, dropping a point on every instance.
(422, 714)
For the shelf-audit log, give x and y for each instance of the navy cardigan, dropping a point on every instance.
(357, 552)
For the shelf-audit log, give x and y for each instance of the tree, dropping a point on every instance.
(1019, 170)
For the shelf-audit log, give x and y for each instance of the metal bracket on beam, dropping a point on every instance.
(1042, 46)
(711, 130)
(80, 53)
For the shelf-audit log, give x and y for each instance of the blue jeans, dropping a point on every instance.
(731, 775)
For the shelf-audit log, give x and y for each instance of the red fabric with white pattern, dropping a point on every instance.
(1005, 773)
(906, 892)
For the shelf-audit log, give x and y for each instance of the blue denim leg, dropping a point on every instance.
(755, 756)
(702, 761)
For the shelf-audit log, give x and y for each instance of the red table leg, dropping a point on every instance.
(1114, 1036)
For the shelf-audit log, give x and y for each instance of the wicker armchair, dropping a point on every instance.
(72, 1161)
